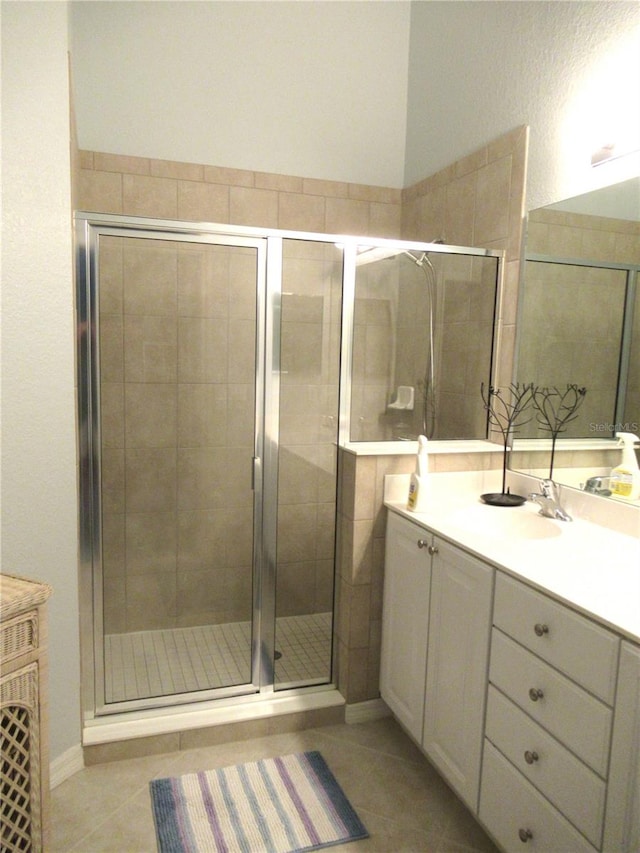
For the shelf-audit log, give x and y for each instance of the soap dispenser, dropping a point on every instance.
(625, 477)
(418, 481)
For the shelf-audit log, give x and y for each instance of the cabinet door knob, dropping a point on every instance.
(423, 543)
(525, 835)
(433, 549)
(531, 757)
(535, 693)
(541, 629)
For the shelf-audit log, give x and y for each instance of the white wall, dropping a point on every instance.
(316, 89)
(39, 510)
(570, 70)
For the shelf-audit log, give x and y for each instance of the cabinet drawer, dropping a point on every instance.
(577, 719)
(510, 805)
(574, 789)
(583, 650)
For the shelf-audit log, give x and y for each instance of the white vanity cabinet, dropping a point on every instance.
(622, 820)
(458, 649)
(405, 621)
(550, 702)
(518, 672)
(435, 641)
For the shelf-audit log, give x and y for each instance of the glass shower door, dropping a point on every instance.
(310, 324)
(177, 424)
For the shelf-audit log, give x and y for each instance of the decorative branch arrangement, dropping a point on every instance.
(506, 413)
(555, 410)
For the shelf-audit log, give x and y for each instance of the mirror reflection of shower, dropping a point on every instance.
(423, 319)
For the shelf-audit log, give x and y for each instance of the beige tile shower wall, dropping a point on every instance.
(139, 186)
(478, 201)
(309, 378)
(464, 320)
(177, 420)
(375, 347)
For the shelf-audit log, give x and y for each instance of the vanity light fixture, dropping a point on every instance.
(604, 153)
(610, 151)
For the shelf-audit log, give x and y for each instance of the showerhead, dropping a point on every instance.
(425, 255)
(368, 254)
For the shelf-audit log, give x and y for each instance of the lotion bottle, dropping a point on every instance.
(418, 482)
(625, 477)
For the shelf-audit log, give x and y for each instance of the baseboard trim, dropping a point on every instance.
(365, 712)
(66, 765)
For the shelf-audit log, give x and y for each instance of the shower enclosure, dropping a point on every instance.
(208, 413)
(219, 370)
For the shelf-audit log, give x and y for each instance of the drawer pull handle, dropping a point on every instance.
(531, 757)
(525, 835)
(535, 693)
(422, 543)
(433, 549)
(540, 629)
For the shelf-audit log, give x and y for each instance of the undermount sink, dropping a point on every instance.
(505, 522)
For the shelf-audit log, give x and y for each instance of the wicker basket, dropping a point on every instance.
(23, 754)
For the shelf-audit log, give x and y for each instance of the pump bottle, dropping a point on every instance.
(625, 477)
(418, 481)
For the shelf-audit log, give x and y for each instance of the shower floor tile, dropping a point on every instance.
(144, 664)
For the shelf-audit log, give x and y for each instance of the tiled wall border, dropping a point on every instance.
(138, 186)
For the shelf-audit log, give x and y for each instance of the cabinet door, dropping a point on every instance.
(405, 621)
(622, 819)
(459, 631)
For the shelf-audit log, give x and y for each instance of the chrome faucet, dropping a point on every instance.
(598, 486)
(549, 501)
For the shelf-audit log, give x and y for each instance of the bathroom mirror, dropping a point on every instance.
(579, 323)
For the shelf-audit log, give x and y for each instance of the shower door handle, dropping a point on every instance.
(256, 472)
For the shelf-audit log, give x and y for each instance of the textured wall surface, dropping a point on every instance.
(39, 504)
(571, 71)
(316, 89)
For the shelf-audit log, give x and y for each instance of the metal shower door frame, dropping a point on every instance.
(89, 229)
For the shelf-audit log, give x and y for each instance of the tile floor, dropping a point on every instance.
(180, 660)
(401, 800)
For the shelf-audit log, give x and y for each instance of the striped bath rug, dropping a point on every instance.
(276, 805)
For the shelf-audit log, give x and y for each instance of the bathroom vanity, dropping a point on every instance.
(511, 655)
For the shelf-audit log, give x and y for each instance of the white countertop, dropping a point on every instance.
(590, 567)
